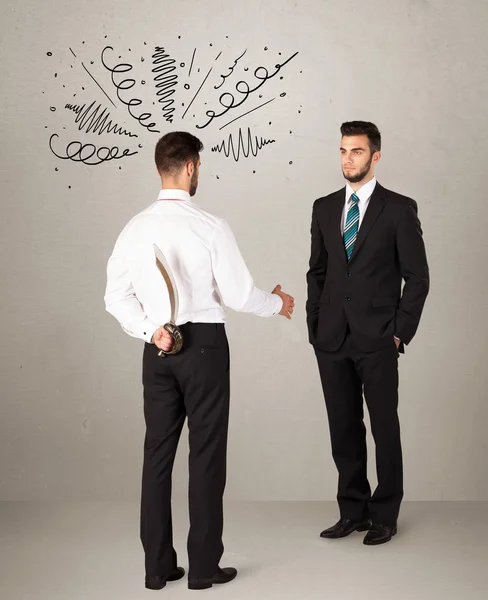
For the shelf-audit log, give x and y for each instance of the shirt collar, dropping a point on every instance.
(363, 193)
(174, 195)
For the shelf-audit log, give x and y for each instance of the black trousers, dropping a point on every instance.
(345, 375)
(193, 384)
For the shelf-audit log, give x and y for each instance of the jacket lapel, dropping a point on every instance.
(375, 206)
(336, 215)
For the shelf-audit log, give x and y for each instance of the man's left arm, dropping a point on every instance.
(415, 272)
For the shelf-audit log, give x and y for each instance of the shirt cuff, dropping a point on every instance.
(278, 305)
(147, 329)
(397, 338)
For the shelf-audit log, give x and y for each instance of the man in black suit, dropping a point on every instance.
(365, 241)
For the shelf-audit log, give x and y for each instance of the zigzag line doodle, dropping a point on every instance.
(250, 145)
(90, 120)
(166, 82)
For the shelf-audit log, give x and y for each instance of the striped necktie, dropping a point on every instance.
(352, 226)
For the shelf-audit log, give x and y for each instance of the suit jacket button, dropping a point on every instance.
(348, 298)
(348, 274)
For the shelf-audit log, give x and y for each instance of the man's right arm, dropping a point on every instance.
(233, 279)
(121, 300)
(315, 276)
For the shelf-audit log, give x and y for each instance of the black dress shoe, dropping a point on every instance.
(379, 534)
(156, 582)
(222, 576)
(344, 528)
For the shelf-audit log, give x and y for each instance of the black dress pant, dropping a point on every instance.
(345, 375)
(195, 384)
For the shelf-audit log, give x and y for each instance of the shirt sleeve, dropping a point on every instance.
(121, 300)
(233, 279)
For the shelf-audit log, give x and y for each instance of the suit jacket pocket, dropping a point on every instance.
(378, 301)
(323, 310)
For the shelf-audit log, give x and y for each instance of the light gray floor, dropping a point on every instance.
(92, 552)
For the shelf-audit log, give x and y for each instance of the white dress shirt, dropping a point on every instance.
(364, 194)
(205, 261)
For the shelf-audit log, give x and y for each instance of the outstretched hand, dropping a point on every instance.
(288, 302)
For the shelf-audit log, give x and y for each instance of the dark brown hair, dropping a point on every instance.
(364, 128)
(174, 150)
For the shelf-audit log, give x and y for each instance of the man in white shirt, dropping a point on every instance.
(209, 272)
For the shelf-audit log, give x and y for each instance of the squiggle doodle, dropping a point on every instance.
(78, 152)
(127, 84)
(246, 147)
(91, 120)
(166, 82)
(231, 69)
(228, 101)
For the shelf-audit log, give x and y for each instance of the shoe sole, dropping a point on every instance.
(205, 585)
(339, 537)
(156, 588)
(160, 587)
(199, 586)
(379, 543)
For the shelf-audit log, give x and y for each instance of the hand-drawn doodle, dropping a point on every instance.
(78, 152)
(192, 59)
(243, 146)
(82, 64)
(98, 84)
(203, 83)
(90, 119)
(228, 101)
(231, 69)
(246, 113)
(198, 91)
(166, 80)
(127, 84)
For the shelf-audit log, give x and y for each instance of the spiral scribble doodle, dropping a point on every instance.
(124, 86)
(89, 154)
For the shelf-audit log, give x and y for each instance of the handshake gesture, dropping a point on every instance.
(164, 341)
(288, 302)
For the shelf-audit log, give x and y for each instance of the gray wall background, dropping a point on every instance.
(71, 412)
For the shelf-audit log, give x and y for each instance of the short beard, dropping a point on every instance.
(361, 175)
(193, 184)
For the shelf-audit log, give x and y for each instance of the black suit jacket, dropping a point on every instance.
(366, 291)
